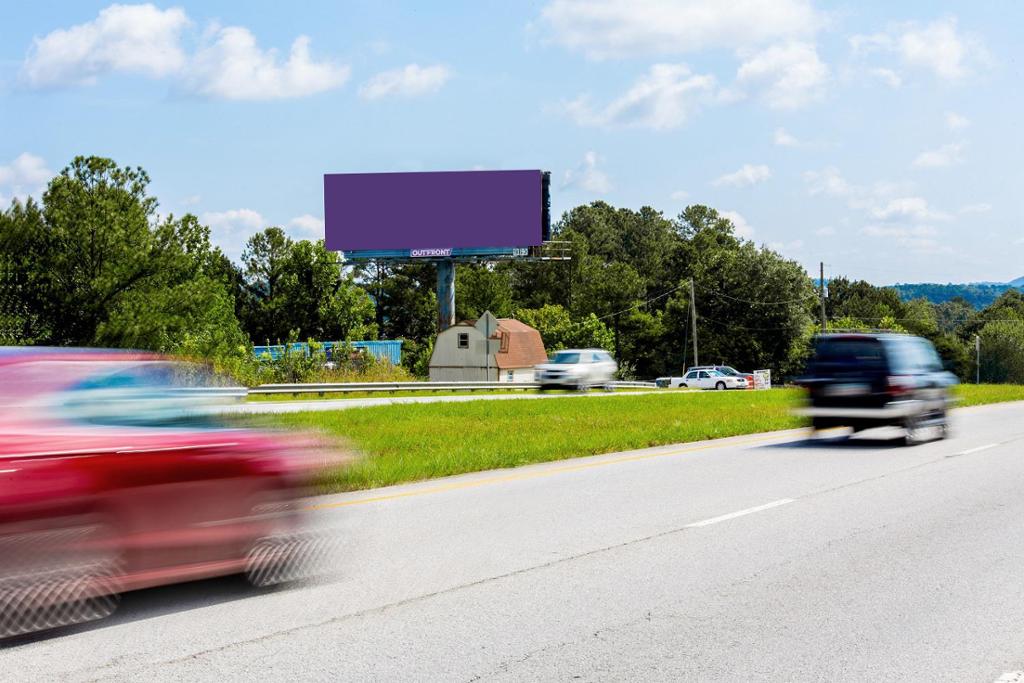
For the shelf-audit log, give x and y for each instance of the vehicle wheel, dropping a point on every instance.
(944, 427)
(609, 387)
(682, 385)
(71, 576)
(276, 560)
(582, 387)
(720, 386)
(912, 431)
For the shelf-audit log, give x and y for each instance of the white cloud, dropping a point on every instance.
(828, 181)
(26, 175)
(938, 47)
(743, 228)
(908, 209)
(679, 195)
(947, 155)
(129, 38)
(917, 238)
(783, 139)
(626, 28)
(795, 245)
(234, 67)
(145, 40)
(230, 229)
(409, 81)
(233, 218)
(887, 76)
(826, 231)
(588, 176)
(191, 200)
(898, 231)
(789, 75)
(747, 174)
(955, 121)
(663, 98)
(982, 207)
(831, 183)
(308, 226)
(903, 219)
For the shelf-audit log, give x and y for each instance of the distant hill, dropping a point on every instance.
(977, 294)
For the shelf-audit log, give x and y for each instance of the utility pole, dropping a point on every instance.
(977, 359)
(693, 311)
(821, 285)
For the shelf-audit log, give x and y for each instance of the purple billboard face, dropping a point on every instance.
(433, 211)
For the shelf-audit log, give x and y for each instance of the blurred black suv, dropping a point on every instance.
(875, 380)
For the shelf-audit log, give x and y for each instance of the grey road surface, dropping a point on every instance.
(765, 557)
(297, 406)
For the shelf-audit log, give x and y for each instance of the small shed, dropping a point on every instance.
(461, 352)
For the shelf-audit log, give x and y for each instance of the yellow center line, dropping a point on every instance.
(547, 472)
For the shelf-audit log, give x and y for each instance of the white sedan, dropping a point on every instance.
(712, 379)
(576, 369)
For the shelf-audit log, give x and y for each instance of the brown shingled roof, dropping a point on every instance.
(521, 345)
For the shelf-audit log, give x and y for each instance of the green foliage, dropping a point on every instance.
(560, 331)
(953, 314)
(482, 288)
(93, 266)
(297, 289)
(1002, 351)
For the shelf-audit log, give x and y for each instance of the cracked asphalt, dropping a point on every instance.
(763, 557)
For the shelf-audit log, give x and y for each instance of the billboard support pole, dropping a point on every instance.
(445, 294)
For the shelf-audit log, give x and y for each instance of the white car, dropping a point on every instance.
(712, 379)
(576, 369)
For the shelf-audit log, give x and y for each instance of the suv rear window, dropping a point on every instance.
(911, 355)
(860, 352)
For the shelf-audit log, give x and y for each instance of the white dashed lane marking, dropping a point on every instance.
(740, 513)
(978, 449)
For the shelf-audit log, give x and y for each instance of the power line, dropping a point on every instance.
(644, 303)
(743, 327)
(804, 299)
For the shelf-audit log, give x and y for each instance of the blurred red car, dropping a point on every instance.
(115, 477)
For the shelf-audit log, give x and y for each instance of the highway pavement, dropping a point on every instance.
(764, 557)
(297, 406)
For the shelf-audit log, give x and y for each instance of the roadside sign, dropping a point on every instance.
(488, 325)
(762, 379)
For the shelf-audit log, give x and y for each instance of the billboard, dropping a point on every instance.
(433, 213)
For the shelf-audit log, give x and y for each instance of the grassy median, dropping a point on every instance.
(421, 441)
(982, 394)
(403, 443)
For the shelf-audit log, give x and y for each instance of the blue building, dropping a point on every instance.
(390, 350)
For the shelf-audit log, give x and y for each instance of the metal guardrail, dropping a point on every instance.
(372, 387)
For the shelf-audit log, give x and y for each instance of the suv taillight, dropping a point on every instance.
(899, 385)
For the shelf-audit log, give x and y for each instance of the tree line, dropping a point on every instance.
(93, 263)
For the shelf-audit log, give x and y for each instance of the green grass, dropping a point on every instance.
(411, 442)
(421, 441)
(982, 394)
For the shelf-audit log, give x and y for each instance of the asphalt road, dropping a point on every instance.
(764, 557)
(256, 407)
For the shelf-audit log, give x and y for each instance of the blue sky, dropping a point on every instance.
(881, 138)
